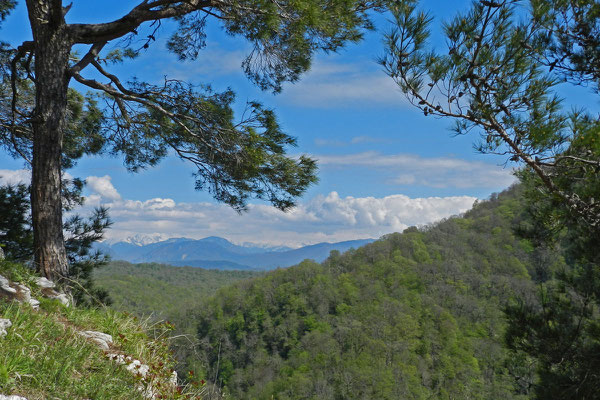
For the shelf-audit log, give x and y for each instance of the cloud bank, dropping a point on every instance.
(325, 218)
(329, 218)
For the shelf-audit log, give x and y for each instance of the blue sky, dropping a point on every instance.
(383, 165)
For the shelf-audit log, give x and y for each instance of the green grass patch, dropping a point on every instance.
(42, 358)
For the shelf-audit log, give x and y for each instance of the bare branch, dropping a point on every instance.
(143, 12)
(88, 58)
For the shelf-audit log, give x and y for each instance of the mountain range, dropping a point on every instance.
(218, 253)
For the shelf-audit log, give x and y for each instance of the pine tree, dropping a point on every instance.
(47, 123)
(498, 78)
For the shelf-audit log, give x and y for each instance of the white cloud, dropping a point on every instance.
(328, 218)
(325, 218)
(333, 85)
(14, 177)
(439, 172)
(102, 186)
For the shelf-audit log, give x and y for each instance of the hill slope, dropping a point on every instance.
(60, 352)
(416, 315)
(162, 291)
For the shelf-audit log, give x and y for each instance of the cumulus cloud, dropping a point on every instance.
(439, 172)
(103, 187)
(326, 218)
(14, 177)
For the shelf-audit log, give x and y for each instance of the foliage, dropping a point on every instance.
(493, 80)
(573, 29)
(157, 292)
(561, 328)
(500, 77)
(16, 237)
(413, 315)
(144, 122)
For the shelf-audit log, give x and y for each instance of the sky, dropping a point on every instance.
(383, 166)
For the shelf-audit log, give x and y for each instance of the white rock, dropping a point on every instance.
(136, 367)
(63, 298)
(12, 397)
(23, 292)
(5, 285)
(44, 283)
(173, 379)
(34, 303)
(4, 324)
(102, 339)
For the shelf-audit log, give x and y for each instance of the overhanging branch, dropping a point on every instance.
(143, 12)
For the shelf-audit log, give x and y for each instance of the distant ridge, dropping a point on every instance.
(214, 252)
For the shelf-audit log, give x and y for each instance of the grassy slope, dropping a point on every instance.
(43, 357)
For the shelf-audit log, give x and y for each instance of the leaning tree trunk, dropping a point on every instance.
(52, 50)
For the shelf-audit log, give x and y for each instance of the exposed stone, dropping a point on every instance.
(1, 254)
(12, 397)
(102, 339)
(4, 324)
(53, 294)
(5, 288)
(173, 379)
(17, 291)
(44, 283)
(23, 294)
(136, 367)
(63, 298)
(34, 303)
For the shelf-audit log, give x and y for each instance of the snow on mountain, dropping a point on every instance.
(216, 252)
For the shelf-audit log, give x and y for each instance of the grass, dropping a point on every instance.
(43, 356)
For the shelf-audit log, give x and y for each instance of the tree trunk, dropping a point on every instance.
(52, 48)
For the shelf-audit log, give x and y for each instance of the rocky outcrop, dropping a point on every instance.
(17, 291)
(103, 340)
(47, 288)
(4, 325)
(152, 381)
(141, 370)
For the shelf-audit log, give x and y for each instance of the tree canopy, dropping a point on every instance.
(51, 125)
(499, 77)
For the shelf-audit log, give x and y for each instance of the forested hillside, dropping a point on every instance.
(416, 315)
(159, 290)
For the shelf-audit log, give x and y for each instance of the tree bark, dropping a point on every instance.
(52, 48)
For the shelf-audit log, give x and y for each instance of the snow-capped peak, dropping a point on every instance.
(144, 239)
